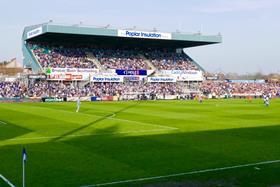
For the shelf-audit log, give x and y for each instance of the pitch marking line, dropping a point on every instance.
(6, 180)
(80, 135)
(113, 115)
(185, 173)
(142, 123)
(3, 122)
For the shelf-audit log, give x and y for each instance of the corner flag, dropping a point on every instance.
(24, 155)
(24, 159)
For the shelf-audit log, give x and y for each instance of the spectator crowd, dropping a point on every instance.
(220, 88)
(56, 56)
(60, 89)
(61, 57)
(12, 89)
(120, 59)
(163, 60)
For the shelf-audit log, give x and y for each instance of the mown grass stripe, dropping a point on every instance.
(184, 173)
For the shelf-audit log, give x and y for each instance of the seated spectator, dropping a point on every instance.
(61, 57)
(12, 89)
(76, 57)
(120, 59)
(170, 60)
(67, 89)
(239, 89)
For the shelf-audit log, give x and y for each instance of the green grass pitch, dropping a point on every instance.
(118, 141)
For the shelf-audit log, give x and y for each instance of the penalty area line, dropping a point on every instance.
(184, 173)
(145, 124)
(112, 117)
(3, 122)
(6, 180)
(98, 134)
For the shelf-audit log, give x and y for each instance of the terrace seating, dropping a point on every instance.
(170, 60)
(56, 56)
(61, 57)
(120, 59)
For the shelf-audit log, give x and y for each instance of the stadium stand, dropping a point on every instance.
(112, 55)
(13, 89)
(218, 88)
(120, 59)
(71, 57)
(60, 89)
(57, 56)
(164, 60)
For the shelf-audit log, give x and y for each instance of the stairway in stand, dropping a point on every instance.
(148, 62)
(92, 58)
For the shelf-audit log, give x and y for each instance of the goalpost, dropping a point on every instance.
(6, 181)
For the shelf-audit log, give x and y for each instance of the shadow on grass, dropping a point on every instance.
(86, 160)
(9, 130)
(163, 154)
(94, 122)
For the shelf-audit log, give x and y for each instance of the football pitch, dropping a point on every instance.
(142, 143)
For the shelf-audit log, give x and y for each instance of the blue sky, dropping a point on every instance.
(250, 28)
